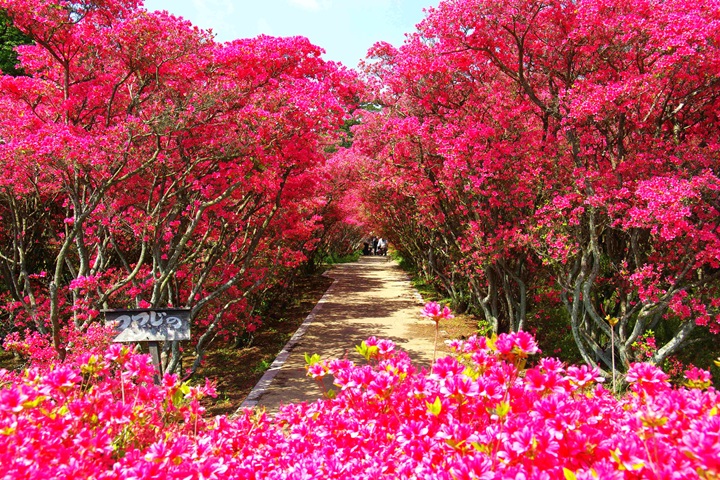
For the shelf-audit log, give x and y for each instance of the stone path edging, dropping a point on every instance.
(264, 383)
(416, 294)
(372, 297)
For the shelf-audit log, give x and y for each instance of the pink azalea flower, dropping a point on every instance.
(316, 370)
(435, 312)
(647, 378)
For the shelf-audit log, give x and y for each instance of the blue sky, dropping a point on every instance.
(345, 29)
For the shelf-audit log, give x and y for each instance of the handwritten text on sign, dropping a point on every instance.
(150, 325)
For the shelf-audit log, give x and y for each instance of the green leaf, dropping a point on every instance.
(311, 360)
(367, 351)
(436, 407)
(569, 475)
(362, 349)
(491, 342)
(502, 409)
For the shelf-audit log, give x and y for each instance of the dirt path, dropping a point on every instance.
(370, 297)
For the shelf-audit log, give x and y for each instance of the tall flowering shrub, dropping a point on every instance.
(144, 165)
(529, 149)
(479, 414)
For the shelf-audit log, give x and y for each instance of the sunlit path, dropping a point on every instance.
(372, 297)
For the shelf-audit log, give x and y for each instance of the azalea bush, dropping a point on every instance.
(481, 413)
(556, 155)
(146, 165)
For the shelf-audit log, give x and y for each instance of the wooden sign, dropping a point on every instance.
(150, 325)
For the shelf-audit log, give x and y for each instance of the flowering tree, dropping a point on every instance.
(150, 167)
(451, 157)
(339, 207)
(529, 147)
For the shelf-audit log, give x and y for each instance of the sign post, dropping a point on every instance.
(150, 326)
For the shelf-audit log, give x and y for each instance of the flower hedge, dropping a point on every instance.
(480, 414)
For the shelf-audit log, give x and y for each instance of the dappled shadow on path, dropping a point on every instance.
(372, 297)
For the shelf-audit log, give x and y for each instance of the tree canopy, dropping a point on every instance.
(532, 154)
(149, 166)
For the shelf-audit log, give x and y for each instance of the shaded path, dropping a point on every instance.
(372, 297)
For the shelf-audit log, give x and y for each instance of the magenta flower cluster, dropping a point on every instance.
(435, 312)
(479, 415)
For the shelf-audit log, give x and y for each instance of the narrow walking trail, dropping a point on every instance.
(372, 297)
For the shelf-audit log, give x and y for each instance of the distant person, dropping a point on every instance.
(375, 245)
(366, 248)
(382, 246)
